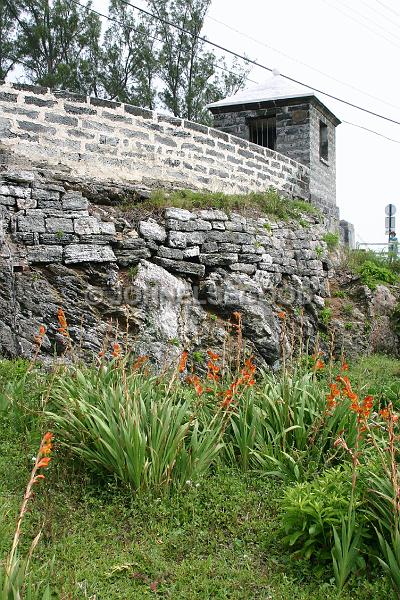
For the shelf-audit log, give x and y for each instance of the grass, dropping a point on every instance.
(269, 203)
(218, 538)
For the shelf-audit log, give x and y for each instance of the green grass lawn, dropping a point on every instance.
(221, 539)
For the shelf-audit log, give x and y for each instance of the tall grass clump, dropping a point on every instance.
(132, 426)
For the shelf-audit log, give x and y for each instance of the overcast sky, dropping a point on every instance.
(322, 42)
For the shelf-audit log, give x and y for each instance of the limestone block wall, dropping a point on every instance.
(117, 142)
(44, 223)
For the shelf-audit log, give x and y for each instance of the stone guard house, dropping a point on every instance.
(291, 120)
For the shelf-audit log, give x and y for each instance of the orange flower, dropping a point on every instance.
(62, 321)
(319, 365)
(193, 379)
(281, 314)
(116, 353)
(48, 437)
(183, 361)
(139, 362)
(213, 356)
(384, 412)
(44, 462)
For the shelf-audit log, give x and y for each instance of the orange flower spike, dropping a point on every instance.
(48, 437)
(213, 356)
(44, 462)
(116, 353)
(183, 361)
(384, 412)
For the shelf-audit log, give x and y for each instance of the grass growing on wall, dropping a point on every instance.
(269, 203)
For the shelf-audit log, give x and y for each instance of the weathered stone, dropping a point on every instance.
(173, 253)
(7, 200)
(230, 237)
(74, 201)
(250, 258)
(31, 223)
(102, 239)
(77, 253)
(54, 225)
(210, 247)
(179, 214)
(213, 215)
(187, 268)
(42, 194)
(218, 225)
(45, 254)
(194, 225)
(23, 203)
(132, 256)
(177, 239)
(214, 260)
(191, 252)
(107, 227)
(243, 268)
(151, 230)
(86, 226)
(18, 192)
(58, 238)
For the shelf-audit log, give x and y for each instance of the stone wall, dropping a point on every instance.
(111, 141)
(157, 277)
(297, 136)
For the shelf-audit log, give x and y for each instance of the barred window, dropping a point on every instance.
(323, 140)
(263, 131)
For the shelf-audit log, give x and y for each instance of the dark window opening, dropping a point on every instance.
(323, 140)
(263, 132)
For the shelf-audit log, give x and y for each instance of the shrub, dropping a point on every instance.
(373, 274)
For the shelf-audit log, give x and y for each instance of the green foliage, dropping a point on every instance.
(269, 203)
(312, 509)
(339, 294)
(331, 240)
(319, 251)
(391, 557)
(59, 43)
(373, 274)
(130, 427)
(16, 583)
(9, 53)
(346, 555)
(325, 316)
(373, 268)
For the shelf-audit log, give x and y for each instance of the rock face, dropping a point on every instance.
(157, 284)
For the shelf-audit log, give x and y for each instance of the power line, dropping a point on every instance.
(256, 63)
(388, 8)
(380, 14)
(250, 61)
(362, 24)
(371, 131)
(301, 62)
(368, 19)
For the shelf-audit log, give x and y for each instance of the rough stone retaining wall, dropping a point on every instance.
(113, 141)
(46, 223)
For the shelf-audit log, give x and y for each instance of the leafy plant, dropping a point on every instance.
(312, 510)
(373, 274)
(331, 240)
(325, 315)
(346, 556)
(391, 557)
(133, 428)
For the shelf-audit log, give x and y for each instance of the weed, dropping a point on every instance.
(325, 316)
(331, 240)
